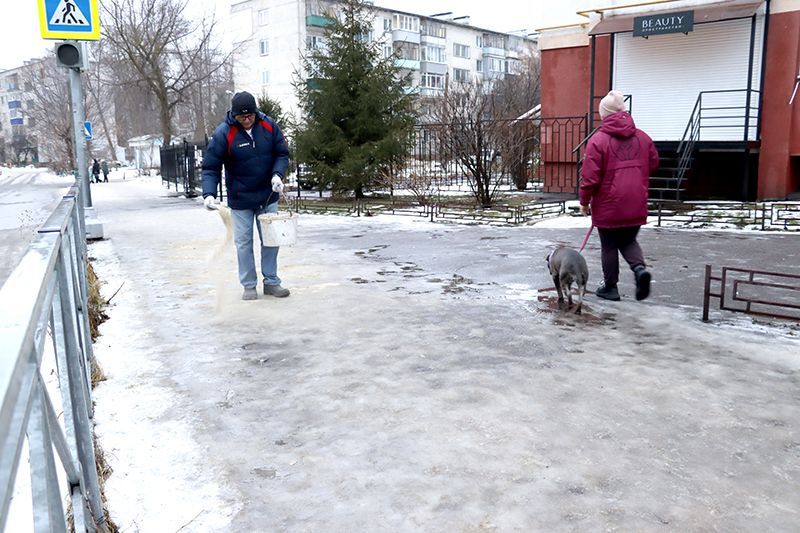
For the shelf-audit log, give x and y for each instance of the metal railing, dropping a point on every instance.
(754, 292)
(45, 300)
(503, 154)
(180, 166)
(717, 111)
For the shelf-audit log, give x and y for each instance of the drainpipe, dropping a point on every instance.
(591, 85)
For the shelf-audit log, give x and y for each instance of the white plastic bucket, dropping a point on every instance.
(279, 229)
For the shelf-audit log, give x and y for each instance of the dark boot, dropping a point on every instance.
(276, 291)
(608, 292)
(643, 278)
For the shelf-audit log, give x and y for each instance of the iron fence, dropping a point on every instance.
(435, 211)
(754, 292)
(504, 154)
(44, 310)
(782, 216)
(181, 166)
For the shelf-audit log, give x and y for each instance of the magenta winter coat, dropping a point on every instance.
(616, 171)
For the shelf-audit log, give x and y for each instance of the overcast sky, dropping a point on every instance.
(20, 38)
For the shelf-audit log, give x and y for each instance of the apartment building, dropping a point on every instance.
(14, 124)
(435, 50)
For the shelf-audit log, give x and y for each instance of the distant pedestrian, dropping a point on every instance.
(251, 147)
(96, 171)
(614, 182)
(104, 168)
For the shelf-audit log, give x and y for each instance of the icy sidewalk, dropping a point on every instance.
(418, 379)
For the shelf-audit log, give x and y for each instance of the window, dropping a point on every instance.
(407, 51)
(461, 75)
(264, 77)
(479, 65)
(433, 29)
(495, 64)
(387, 24)
(433, 53)
(460, 50)
(404, 22)
(479, 41)
(315, 42)
(263, 17)
(263, 45)
(387, 51)
(494, 41)
(432, 81)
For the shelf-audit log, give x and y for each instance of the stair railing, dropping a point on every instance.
(686, 147)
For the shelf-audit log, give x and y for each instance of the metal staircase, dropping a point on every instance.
(728, 116)
(670, 180)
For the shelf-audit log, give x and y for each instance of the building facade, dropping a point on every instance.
(17, 129)
(710, 81)
(273, 35)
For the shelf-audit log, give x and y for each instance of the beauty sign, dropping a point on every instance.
(677, 22)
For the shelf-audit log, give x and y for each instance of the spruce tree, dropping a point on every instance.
(272, 108)
(357, 117)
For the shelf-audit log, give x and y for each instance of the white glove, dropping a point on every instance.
(210, 202)
(277, 184)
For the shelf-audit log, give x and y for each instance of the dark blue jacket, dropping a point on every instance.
(249, 163)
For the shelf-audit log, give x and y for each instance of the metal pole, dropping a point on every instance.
(76, 96)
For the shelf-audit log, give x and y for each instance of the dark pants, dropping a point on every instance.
(614, 241)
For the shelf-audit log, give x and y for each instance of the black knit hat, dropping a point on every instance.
(243, 103)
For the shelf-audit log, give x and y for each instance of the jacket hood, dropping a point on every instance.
(229, 118)
(618, 125)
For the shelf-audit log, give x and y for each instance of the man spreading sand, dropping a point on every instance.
(251, 147)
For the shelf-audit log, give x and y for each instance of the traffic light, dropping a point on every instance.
(72, 55)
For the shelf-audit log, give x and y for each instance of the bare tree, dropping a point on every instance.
(48, 112)
(483, 130)
(470, 138)
(520, 93)
(100, 93)
(163, 47)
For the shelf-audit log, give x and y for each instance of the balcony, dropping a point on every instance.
(432, 39)
(494, 51)
(407, 64)
(433, 67)
(318, 21)
(430, 91)
(405, 36)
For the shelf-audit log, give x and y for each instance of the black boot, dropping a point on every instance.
(608, 292)
(643, 278)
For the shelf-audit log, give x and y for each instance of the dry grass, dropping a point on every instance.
(97, 316)
(97, 304)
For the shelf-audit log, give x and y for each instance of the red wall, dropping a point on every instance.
(565, 82)
(565, 93)
(780, 124)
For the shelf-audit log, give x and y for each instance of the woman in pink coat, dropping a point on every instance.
(613, 189)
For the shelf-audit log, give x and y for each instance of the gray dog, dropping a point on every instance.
(568, 266)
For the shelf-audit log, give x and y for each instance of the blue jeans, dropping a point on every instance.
(243, 220)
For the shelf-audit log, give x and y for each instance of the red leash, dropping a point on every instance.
(586, 239)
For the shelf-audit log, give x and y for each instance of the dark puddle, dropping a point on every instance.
(565, 315)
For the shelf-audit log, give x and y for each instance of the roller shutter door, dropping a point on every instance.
(665, 73)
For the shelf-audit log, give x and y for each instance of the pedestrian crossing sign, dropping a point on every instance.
(69, 19)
